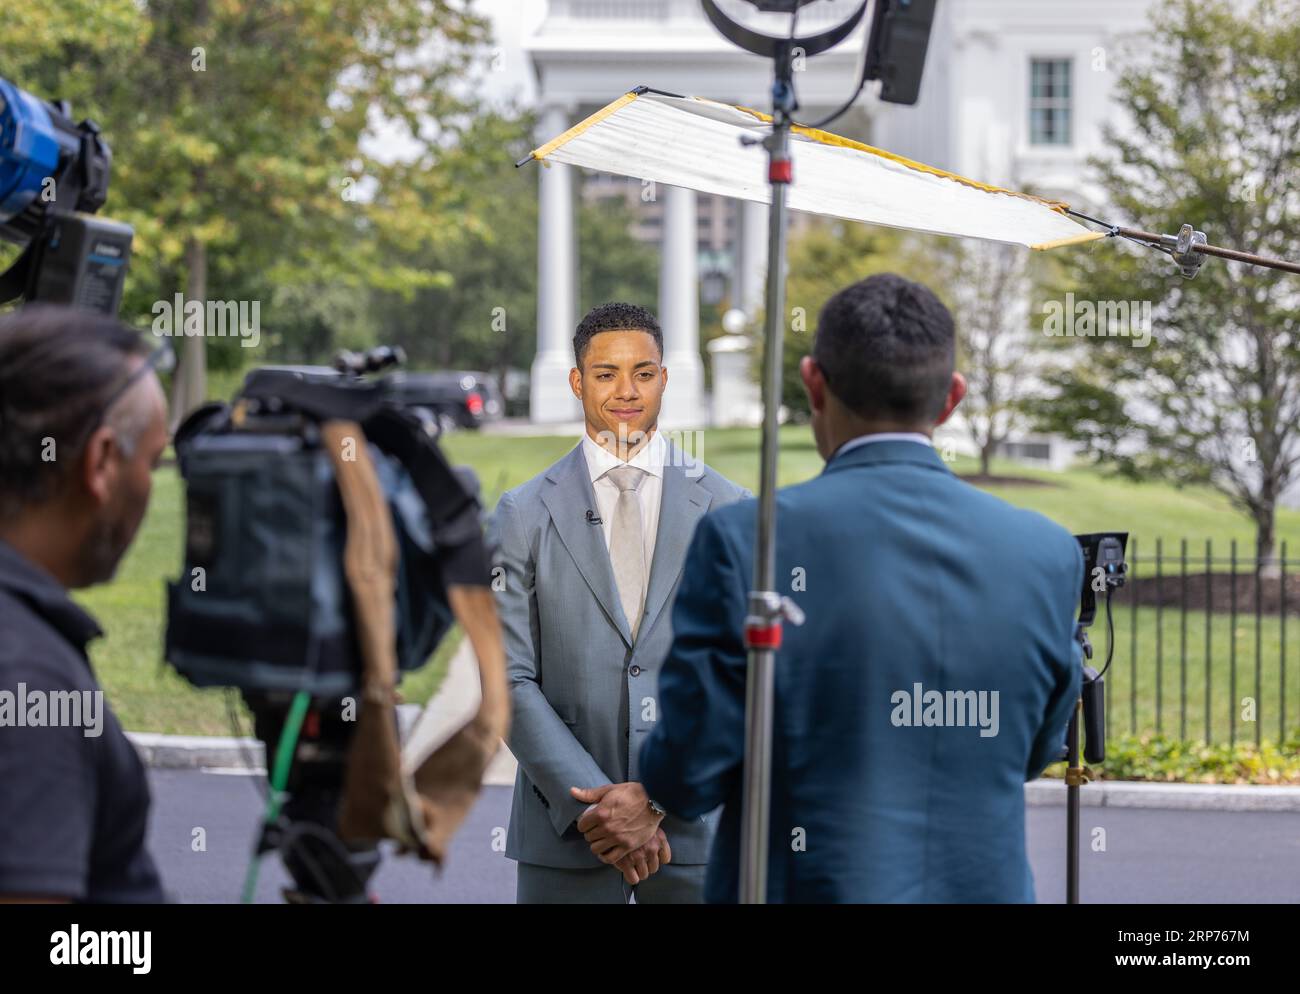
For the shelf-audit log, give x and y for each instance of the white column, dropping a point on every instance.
(751, 272)
(550, 399)
(679, 311)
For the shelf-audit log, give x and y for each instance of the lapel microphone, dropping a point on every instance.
(592, 519)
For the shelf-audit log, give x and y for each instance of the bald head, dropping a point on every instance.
(143, 404)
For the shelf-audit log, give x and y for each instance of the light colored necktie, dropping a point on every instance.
(627, 543)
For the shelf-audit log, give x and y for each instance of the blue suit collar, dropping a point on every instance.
(894, 451)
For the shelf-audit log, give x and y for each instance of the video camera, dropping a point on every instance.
(53, 177)
(263, 604)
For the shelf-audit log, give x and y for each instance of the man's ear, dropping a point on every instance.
(956, 391)
(814, 382)
(575, 382)
(99, 467)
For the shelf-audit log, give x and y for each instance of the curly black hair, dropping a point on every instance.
(615, 316)
(886, 347)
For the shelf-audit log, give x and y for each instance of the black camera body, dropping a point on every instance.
(54, 176)
(262, 603)
(1104, 569)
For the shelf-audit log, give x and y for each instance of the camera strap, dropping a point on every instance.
(420, 808)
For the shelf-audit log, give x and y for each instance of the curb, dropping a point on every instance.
(200, 752)
(1167, 796)
(196, 752)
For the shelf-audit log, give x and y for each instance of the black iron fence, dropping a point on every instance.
(1200, 645)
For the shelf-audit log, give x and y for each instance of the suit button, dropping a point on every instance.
(635, 670)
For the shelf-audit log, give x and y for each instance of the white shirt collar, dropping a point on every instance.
(884, 436)
(650, 457)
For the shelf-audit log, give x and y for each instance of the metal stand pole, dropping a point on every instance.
(763, 623)
(1074, 779)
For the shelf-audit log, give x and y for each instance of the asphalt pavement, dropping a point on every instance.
(1199, 857)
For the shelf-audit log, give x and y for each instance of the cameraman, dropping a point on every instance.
(83, 422)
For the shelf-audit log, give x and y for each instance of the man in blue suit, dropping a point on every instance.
(935, 671)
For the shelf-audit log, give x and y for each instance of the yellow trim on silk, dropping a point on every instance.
(581, 126)
(1087, 236)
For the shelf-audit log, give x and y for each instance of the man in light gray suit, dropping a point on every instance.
(591, 552)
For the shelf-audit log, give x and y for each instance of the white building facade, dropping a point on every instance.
(1015, 93)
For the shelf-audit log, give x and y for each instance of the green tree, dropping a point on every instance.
(987, 287)
(482, 313)
(238, 133)
(613, 265)
(478, 313)
(1210, 114)
(823, 259)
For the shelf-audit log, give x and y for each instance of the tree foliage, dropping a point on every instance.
(1206, 135)
(256, 155)
(986, 286)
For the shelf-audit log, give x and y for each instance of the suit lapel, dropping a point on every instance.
(681, 506)
(568, 501)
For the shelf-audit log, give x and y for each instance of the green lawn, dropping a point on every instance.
(149, 697)
(1084, 501)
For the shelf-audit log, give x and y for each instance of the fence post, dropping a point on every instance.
(1209, 651)
(1259, 652)
(1133, 649)
(1232, 651)
(1110, 684)
(1160, 634)
(1182, 643)
(1281, 663)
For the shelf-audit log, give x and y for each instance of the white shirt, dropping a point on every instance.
(884, 436)
(651, 458)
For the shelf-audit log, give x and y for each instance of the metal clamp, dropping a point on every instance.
(1180, 248)
(1077, 776)
(767, 609)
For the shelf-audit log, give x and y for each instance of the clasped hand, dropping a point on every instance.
(622, 830)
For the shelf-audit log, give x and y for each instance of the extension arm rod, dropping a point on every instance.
(1216, 250)
(1169, 242)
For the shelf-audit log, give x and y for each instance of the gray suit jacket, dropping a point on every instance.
(583, 694)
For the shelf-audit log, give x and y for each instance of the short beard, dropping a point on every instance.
(104, 548)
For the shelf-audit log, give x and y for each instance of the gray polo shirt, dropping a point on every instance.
(73, 806)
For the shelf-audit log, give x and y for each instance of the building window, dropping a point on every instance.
(633, 10)
(1031, 451)
(1049, 102)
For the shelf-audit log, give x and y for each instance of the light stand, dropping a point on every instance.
(767, 609)
(1104, 570)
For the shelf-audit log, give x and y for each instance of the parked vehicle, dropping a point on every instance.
(446, 400)
(453, 398)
